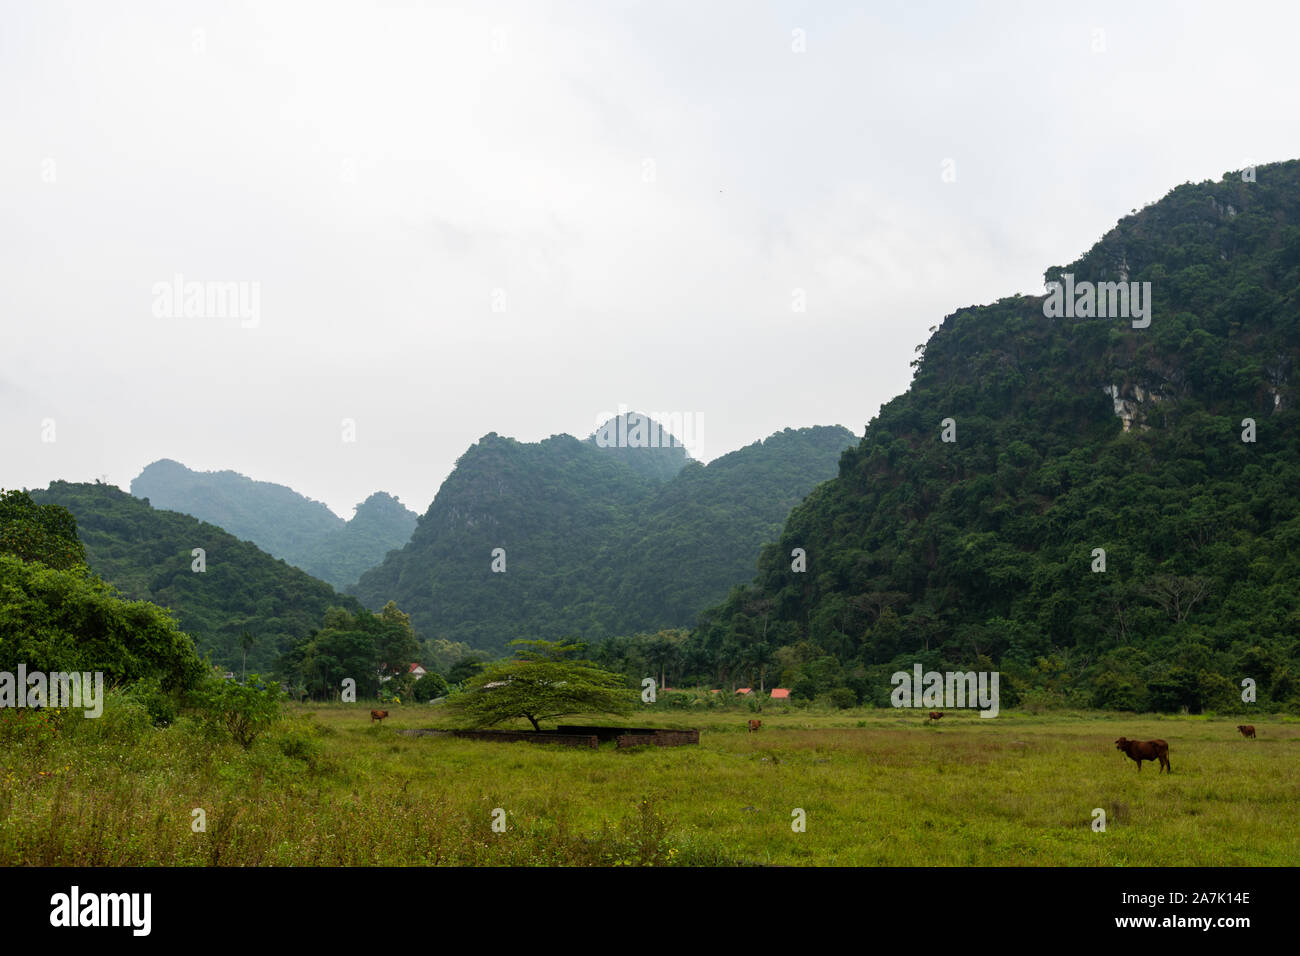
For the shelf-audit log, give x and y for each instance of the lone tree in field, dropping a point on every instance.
(541, 683)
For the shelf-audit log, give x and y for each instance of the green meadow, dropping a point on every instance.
(325, 786)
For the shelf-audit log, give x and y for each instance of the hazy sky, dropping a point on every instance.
(514, 217)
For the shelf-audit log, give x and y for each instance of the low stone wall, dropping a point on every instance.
(602, 734)
(531, 736)
(575, 736)
(636, 736)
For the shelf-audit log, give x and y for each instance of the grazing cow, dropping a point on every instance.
(936, 714)
(1140, 750)
(378, 715)
(754, 725)
(1247, 730)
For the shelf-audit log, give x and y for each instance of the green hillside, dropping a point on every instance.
(147, 554)
(1072, 434)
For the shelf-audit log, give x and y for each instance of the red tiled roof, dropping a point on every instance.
(744, 690)
(780, 693)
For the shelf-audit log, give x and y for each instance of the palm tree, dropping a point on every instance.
(246, 642)
(661, 654)
(761, 658)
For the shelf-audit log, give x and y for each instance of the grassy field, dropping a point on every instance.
(326, 787)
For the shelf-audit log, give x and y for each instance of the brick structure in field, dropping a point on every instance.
(575, 736)
(637, 736)
(512, 736)
(531, 737)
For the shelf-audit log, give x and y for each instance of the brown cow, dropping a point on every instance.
(1140, 750)
(754, 725)
(378, 715)
(1247, 730)
(936, 714)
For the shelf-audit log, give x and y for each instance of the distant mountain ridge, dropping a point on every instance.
(381, 523)
(281, 521)
(147, 554)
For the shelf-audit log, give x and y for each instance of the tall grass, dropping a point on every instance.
(327, 787)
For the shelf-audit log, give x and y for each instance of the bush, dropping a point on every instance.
(843, 698)
(159, 704)
(641, 839)
(300, 740)
(392, 691)
(430, 686)
(242, 712)
(72, 621)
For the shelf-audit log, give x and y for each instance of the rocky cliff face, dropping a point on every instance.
(1133, 403)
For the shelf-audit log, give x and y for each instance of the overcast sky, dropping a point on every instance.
(514, 217)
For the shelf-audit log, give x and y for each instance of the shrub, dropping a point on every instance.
(393, 691)
(641, 839)
(240, 711)
(300, 740)
(429, 686)
(843, 698)
(159, 704)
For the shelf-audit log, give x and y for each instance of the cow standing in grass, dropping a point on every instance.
(378, 715)
(1140, 750)
(754, 725)
(1247, 730)
(936, 715)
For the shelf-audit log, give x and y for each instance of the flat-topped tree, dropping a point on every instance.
(543, 682)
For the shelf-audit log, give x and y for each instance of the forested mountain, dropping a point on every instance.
(280, 521)
(645, 445)
(147, 554)
(596, 540)
(1174, 448)
(381, 523)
